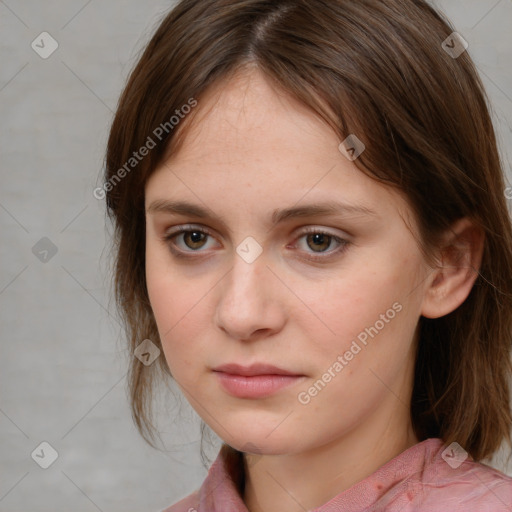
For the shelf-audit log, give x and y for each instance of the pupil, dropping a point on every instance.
(194, 239)
(320, 239)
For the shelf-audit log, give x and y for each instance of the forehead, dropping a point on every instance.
(248, 114)
(255, 144)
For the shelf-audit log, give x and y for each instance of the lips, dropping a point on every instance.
(253, 370)
(256, 381)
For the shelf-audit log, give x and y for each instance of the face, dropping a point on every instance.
(332, 296)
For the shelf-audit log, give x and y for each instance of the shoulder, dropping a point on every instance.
(188, 504)
(473, 487)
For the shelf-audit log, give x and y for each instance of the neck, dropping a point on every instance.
(306, 480)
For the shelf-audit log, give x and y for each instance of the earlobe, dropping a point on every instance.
(460, 258)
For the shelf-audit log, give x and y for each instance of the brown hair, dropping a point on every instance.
(371, 68)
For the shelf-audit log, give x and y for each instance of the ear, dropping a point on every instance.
(460, 257)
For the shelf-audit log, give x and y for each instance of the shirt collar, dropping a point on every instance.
(222, 489)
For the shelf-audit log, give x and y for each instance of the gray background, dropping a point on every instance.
(63, 363)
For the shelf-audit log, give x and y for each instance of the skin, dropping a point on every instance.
(251, 150)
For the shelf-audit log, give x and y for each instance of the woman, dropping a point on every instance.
(311, 225)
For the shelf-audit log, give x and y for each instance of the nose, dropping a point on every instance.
(250, 301)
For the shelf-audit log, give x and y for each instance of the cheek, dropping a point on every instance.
(348, 305)
(180, 322)
(178, 311)
(369, 352)
(171, 291)
(369, 315)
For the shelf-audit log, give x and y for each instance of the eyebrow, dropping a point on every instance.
(278, 215)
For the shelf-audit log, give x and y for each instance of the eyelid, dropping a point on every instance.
(341, 240)
(185, 228)
(308, 229)
(319, 229)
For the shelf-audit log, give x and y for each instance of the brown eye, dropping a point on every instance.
(319, 241)
(187, 239)
(184, 241)
(196, 238)
(317, 244)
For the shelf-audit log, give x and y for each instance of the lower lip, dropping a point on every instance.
(256, 386)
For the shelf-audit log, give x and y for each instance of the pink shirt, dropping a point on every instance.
(417, 480)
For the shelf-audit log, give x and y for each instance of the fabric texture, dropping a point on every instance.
(427, 477)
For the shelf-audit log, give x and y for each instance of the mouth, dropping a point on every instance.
(255, 381)
(256, 369)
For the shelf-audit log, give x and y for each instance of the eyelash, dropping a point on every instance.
(189, 229)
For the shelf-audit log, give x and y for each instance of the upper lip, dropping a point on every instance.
(254, 369)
